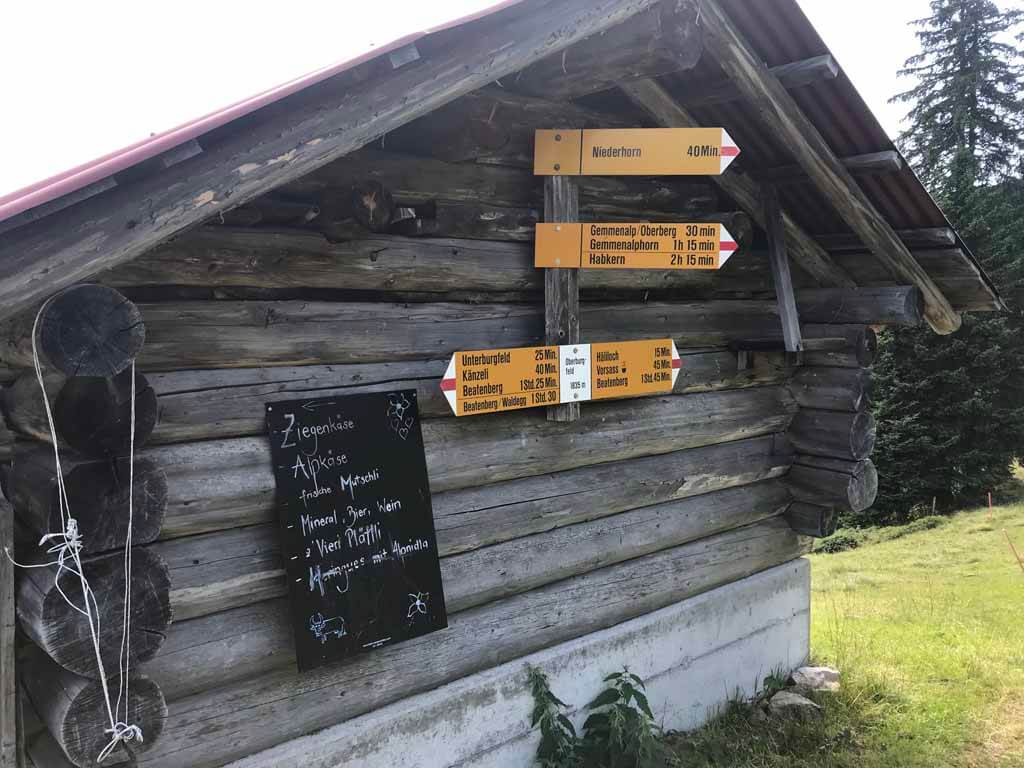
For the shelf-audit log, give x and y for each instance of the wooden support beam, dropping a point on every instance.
(849, 485)
(811, 257)
(833, 433)
(783, 117)
(661, 40)
(871, 164)
(812, 520)
(832, 389)
(562, 286)
(8, 675)
(931, 237)
(784, 294)
(816, 69)
(282, 145)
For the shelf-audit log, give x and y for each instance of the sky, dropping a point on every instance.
(82, 79)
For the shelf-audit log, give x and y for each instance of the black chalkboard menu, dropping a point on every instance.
(357, 528)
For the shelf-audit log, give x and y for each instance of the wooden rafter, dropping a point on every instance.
(811, 257)
(781, 114)
(792, 75)
(107, 230)
(871, 164)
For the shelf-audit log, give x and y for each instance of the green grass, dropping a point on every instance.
(926, 624)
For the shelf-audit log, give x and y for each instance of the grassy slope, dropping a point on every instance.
(928, 631)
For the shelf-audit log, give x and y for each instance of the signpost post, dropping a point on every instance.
(633, 152)
(633, 246)
(489, 381)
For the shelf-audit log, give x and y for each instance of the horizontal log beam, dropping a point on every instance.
(833, 433)
(492, 126)
(97, 494)
(220, 571)
(412, 180)
(859, 351)
(833, 389)
(204, 730)
(847, 485)
(75, 712)
(226, 483)
(63, 632)
(812, 520)
(783, 117)
(795, 74)
(888, 305)
(233, 334)
(193, 661)
(745, 191)
(213, 257)
(228, 402)
(871, 164)
(659, 41)
(935, 237)
(112, 228)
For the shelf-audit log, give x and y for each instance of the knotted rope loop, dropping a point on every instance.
(121, 733)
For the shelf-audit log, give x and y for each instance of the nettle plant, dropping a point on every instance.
(619, 732)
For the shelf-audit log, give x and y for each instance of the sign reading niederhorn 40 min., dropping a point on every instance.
(624, 245)
(357, 529)
(633, 152)
(492, 380)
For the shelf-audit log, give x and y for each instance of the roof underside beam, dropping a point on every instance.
(784, 118)
(793, 75)
(73, 244)
(811, 257)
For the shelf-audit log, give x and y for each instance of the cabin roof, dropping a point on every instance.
(777, 30)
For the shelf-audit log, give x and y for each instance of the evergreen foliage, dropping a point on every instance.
(950, 409)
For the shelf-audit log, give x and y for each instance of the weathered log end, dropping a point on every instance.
(840, 435)
(888, 305)
(90, 330)
(63, 633)
(75, 713)
(858, 351)
(833, 389)
(93, 414)
(850, 485)
(23, 406)
(812, 520)
(97, 494)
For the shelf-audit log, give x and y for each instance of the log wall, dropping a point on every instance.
(312, 291)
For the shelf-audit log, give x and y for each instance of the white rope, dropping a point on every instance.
(67, 545)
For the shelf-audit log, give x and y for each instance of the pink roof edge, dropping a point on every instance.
(80, 176)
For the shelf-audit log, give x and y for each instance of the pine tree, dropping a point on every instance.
(967, 116)
(951, 408)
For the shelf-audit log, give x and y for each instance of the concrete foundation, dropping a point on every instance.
(694, 656)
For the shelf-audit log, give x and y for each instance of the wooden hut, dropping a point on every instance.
(348, 234)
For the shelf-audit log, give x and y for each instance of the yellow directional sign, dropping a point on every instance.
(488, 381)
(633, 246)
(633, 152)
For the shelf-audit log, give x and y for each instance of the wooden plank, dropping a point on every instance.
(795, 74)
(832, 389)
(561, 286)
(779, 259)
(227, 402)
(849, 485)
(8, 670)
(194, 660)
(811, 257)
(284, 260)
(655, 42)
(245, 334)
(413, 180)
(871, 164)
(286, 144)
(219, 571)
(226, 483)
(783, 117)
(227, 723)
(933, 237)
